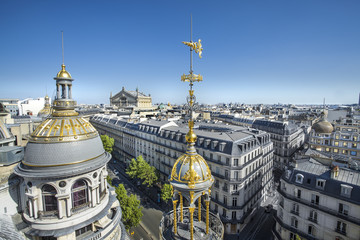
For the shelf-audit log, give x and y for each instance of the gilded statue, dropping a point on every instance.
(197, 46)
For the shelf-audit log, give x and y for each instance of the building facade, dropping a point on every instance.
(318, 202)
(126, 98)
(11, 105)
(341, 140)
(63, 192)
(287, 139)
(240, 159)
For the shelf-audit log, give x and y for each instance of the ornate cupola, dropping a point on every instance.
(47, 110)
(64, 191)
(64, 105)
(191, 179)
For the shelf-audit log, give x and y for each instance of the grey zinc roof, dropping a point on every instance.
(135, 93)
(313, 170)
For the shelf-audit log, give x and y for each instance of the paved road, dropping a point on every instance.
(149, 225)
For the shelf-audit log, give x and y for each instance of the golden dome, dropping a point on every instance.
(323, 126)
(190, 169)
(63, 130)
(63, 73)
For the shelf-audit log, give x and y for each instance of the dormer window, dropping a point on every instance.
(320, 183)
(346, 190)
(299, 178)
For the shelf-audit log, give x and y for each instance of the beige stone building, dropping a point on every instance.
(131, 99)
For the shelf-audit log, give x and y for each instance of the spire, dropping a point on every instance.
(64, 105)
(191, 78)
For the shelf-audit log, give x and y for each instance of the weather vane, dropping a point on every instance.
(191, 78)
(197, 47)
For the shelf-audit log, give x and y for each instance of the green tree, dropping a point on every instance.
(136, 167)
(297, 237)
(131, 211)
(139, 168)
(130, 206)
(108, 143)
(121, 193)
(148, 175)
(166, 192)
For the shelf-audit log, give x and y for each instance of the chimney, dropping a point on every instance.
(335, 172)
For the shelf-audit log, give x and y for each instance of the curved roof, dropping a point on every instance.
(184, 173)
(63, 73)
(63, 143)
(323, 126)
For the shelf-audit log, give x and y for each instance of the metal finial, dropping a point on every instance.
(62, 46)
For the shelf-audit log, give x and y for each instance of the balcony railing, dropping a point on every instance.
(341, 231)
(314, 220)
(166, 224)
(48, 214)
(295, 212)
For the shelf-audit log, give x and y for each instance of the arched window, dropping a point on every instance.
(79, 193)
(313, 216)
(49, 199)
(311, 230)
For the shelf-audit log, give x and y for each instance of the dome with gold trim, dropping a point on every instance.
(63, 73)
(191, 169)
(199, 172)
(47, 110)
(64, 141)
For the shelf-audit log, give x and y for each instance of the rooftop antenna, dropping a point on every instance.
(62, 46)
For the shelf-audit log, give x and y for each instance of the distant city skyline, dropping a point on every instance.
(296, 52)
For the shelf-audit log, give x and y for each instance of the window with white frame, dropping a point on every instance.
(313, 216)
(343, 209)
(311, 230)
(315, 199)
(341, 227)
(295, 209)
(299, 178)
(320, 183)
(294, 222)
(346, 190)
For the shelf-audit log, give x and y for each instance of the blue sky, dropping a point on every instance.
(266, 51)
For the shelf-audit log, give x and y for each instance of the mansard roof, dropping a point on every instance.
(313, 170)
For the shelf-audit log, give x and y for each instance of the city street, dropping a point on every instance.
(258, 228)
(149, 225)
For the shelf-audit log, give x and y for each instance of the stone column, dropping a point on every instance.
(68, 206)
(199, 208)
(70, 94)
(57, 91)
(191, 209)
(181, 208)
(97, 192)
(31, 209)
(35, 207)
(60, 209)
(207, 202)
(175, 220)
(65, 91)
(93, 196)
